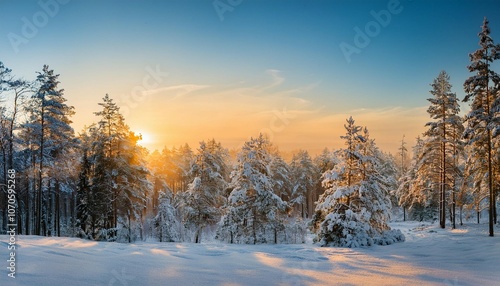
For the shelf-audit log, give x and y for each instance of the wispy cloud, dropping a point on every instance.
(234, 112)
(176, 90)
(277, 79)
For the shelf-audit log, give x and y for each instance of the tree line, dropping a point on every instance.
(456, 162)
(101, 184)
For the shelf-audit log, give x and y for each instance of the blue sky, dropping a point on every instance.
(270, 54)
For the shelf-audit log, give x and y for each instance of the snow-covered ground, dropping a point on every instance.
(430, 256)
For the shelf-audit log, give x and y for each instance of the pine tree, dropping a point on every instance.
(204, 199)
(253, 209)
(167, 167)
(325, 161)
(482, 120)
(10, 114)
(416, 189)
(5, 136)
(114, 181)
(403, 169)
(354, 210)
(304, 178)
(109, 134)
(133, 184)
(183, 159)
(474, 191)
(49, 124)
(280, 176)
(20, 89)
(165, 222)
(84, 195)
(444, 135)
(379, 181)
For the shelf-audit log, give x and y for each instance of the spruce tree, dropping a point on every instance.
(204, 198)
(114, 181)
(443, 134)
(253, 209)
(354, 210)
(49, 124)
(403, 169)
(304, 175)
(417, 189)
(481, 92)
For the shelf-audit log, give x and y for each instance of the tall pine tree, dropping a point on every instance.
(51, 135)
(444, 134)
(204, 198)
(482, 120)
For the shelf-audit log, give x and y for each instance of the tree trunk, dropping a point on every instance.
(495, 206)
(115, 209)
(253, 226)
(72, 207)
(40, 170)
(461, 210)
(443, 182)
(453, 212)
(275, 235)
(129, 229)
(58, 211)
(198, 235)
(490, 185)
(48, 211)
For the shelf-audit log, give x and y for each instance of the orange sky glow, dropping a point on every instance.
(170, 116)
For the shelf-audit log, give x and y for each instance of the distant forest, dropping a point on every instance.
(100, 184)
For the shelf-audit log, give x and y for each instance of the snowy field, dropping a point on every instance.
(430, 256)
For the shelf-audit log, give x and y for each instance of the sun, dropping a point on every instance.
(146, 138)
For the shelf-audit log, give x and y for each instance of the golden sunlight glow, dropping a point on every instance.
(171, 116)
(146, 138)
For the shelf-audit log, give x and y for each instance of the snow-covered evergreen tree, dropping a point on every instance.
(304, 175)
(444, 134)
(483, 120)
(388, 169)
(323, 162)
(434, 177)
(402, 176)
(166, 224)
(133, 185)
(280, 176)
(355, 208)
(253, 211)
(416, 192)
(114, 182)
(183, 159)
(50, 135)
(201, 206)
